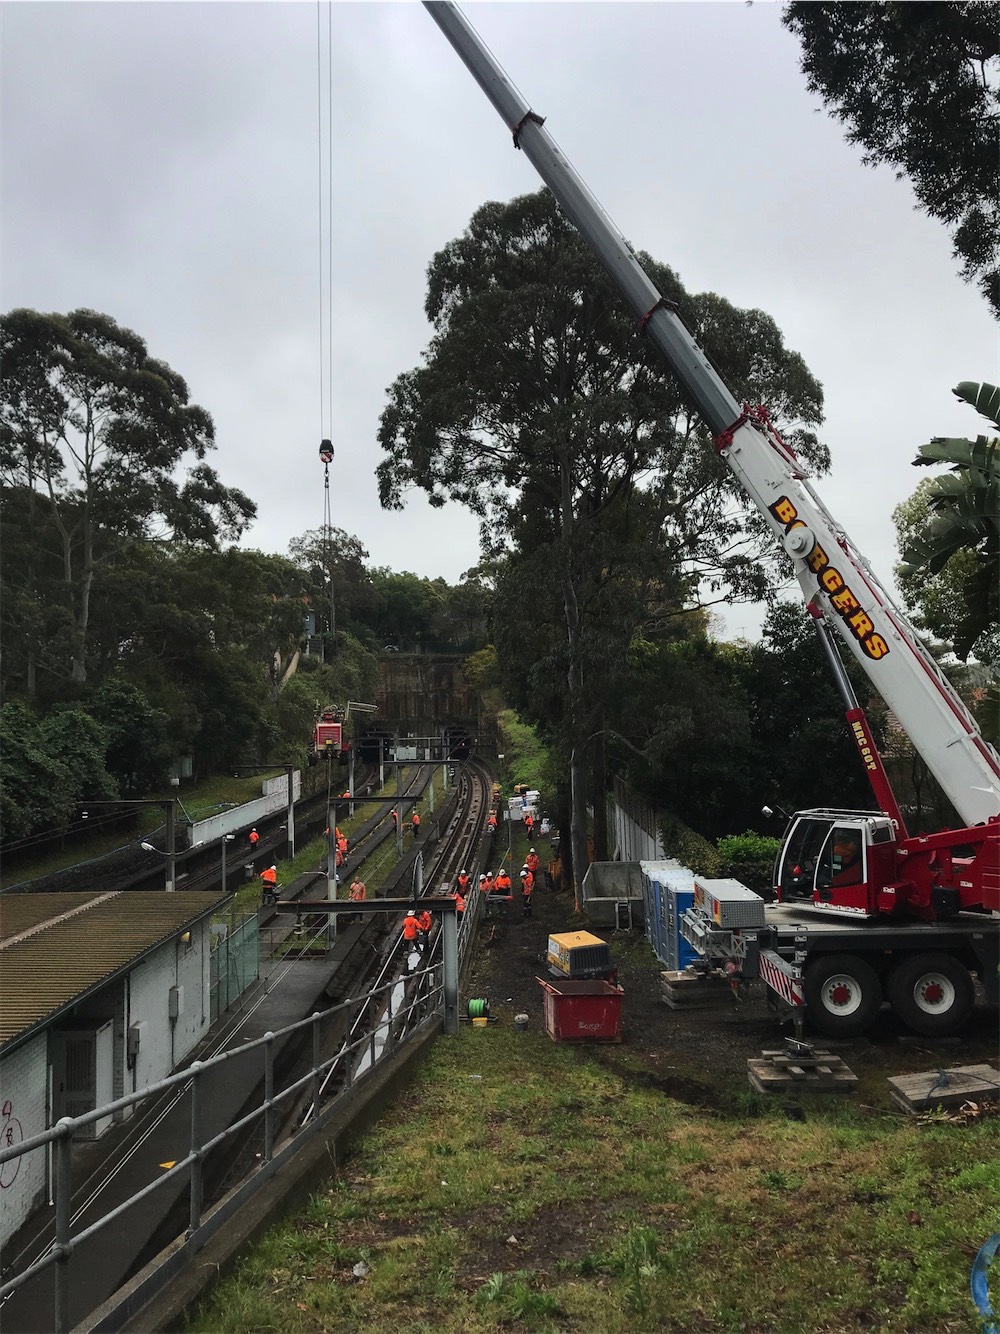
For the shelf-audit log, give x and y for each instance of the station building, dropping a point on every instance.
(102, 995)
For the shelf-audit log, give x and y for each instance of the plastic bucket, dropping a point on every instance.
(480, 1021)
(520, 1022)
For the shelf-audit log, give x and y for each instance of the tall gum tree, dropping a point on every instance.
(100, 428)
(540, 409)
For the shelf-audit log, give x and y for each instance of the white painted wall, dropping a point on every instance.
(149, 984)
(23, 1113)
(192, 973)
(229, 822)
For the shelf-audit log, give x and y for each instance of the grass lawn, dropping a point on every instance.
(521, 1185)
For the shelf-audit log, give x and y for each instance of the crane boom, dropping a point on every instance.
(835, 579)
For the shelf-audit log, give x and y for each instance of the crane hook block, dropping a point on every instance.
(326, 451)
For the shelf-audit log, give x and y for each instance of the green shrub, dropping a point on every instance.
(689, 848)
(749, 858)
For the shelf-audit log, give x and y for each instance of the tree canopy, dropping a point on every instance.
(917, 87)
(539, 408)
(93, 430)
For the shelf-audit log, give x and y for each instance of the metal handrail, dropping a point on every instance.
(61, 1134)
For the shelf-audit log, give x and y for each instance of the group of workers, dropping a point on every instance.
(498, 888)
(414, 821)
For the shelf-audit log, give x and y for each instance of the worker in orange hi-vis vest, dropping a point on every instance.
(491, 823)
(464, 881)
(424, 922)
(459, 898)
(269, 884)
(357, 893)
(253, 838)
(415, 821)
(501, 884)
(529, 825)
(533, 862)
(527, 887)
(411, 929)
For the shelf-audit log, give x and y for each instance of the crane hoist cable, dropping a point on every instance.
(324, 102)
(324, 148)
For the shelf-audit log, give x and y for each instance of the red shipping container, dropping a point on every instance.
(582, 1011)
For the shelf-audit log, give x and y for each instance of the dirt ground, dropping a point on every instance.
(698, 1056)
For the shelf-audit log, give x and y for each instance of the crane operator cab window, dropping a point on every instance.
(842, 862)
(795, 872)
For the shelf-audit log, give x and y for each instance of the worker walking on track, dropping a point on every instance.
(527, 889)
(358, 892)
(424, 924)
(463, 883)
(253, 838)
(529, 825)
(269, 885)
(415, 821)
(411, 930)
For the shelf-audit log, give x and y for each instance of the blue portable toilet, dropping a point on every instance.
(662, 917)
(678, 892)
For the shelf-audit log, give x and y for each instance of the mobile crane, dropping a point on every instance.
(927, 905)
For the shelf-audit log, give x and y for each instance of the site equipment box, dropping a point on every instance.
(579, 955)
(582, 1011)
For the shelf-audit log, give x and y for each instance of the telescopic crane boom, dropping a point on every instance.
(836, 581)
(833, 575)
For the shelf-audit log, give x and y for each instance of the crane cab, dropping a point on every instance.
(838, 860)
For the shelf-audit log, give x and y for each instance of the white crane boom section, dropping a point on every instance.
(835, 578)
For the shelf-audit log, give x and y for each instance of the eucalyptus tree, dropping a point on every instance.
(540, 408)
(97, 429)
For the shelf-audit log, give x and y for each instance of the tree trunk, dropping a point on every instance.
(79, 672)
(600, 794)
(574, 683)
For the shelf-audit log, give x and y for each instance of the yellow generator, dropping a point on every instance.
(579, 955)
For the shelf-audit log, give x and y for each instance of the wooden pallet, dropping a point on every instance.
(801, 1070)
(692, 991)
(945, 1088)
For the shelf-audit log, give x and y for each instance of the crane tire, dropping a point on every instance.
(843, 995)
(932, 993)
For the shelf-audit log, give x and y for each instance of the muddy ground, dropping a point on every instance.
(698, 1056)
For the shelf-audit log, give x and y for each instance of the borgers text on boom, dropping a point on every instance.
(832, 581)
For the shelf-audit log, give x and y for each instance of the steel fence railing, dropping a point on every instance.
(426, 997)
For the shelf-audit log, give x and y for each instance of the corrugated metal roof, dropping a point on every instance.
(59, 962)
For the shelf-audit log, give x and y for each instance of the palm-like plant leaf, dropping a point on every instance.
(985, 398)
(965, 506)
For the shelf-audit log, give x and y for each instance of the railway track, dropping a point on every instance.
(397, 976)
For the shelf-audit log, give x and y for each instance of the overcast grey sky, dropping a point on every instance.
(160, 163)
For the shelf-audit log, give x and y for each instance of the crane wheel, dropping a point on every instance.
(932, 994)
(843, 995)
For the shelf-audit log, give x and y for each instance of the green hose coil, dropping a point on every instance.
(479, 1008)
